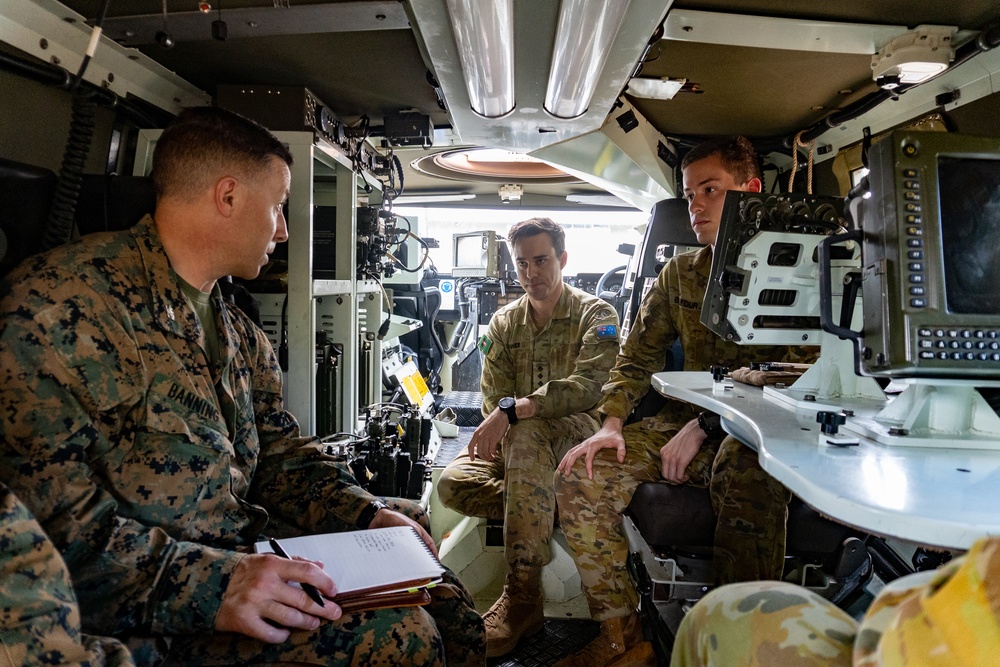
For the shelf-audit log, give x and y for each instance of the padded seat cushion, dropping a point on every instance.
(669, 515)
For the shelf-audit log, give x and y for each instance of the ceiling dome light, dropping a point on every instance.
(914, 57)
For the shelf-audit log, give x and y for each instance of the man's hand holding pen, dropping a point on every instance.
(260, 603)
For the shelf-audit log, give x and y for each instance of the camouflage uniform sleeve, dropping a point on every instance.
(39, 617)
(581, 390)
(801, 354)
(497, 379)
(643, 352)
(68, 376)
(950, 613)
(294, 477)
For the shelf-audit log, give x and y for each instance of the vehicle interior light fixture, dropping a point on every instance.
(431, 198)
(511, 192)
(914, 57)
(586, 31)
(484, 36)
(655, 89)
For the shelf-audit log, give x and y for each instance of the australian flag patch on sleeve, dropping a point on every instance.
(606, 332)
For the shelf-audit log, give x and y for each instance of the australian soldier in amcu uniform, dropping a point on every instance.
(545, 358)
(143, 425)
(599, 475)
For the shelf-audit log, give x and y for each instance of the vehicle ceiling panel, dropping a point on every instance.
(965, 14)
(758, 92)
(761, 92)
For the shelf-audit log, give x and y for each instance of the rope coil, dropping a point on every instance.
(811, 146)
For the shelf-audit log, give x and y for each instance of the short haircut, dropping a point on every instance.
(204, 143)
(534, 227)
(737, 155)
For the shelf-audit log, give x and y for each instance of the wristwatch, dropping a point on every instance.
(710, 423)
(368, 514)
(507, 405)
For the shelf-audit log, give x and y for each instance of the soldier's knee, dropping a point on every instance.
(567, 487)
(447, 488)
(413, 641)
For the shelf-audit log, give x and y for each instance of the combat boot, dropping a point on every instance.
(518, 613)
(620, 644)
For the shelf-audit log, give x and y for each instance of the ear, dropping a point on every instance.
(562, 259)
(225, 195)
(754, 185)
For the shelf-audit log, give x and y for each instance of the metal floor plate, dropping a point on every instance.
(559, 639)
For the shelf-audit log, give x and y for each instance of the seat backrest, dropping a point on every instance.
(26, 193)
(669, 227)
(113, 203)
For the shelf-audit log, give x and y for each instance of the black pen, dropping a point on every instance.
(308, 588)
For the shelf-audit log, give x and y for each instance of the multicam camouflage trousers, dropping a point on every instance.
(448, 631)
(517, 485)
(750, 507)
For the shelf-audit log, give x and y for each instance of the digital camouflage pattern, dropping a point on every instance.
(39, 617)
(749, 504)
(949, 617)
(561, 368)
(151, 468)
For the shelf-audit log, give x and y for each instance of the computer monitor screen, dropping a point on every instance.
(931, 254)
(970, 231)
(764, 283)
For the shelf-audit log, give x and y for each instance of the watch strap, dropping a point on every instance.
(710, 423)
(511, 413)
(368, 514)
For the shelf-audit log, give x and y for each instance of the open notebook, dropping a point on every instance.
(373, 569)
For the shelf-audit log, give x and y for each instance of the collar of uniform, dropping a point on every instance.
(701, 261)
(170, 307)
(228, 338)
(561, 311)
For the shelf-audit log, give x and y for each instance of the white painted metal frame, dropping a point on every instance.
(50, 31)
(942, 497)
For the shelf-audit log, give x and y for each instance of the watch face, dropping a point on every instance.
(506, 403)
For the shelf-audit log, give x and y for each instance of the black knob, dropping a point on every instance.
(830, 422)
(164, 39)
(718, 373)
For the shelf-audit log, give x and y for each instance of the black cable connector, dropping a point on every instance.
(384, 329)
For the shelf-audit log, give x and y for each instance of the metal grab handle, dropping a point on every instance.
(826, 287)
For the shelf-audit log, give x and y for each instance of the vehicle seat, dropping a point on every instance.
(671, 529)
(26, 193)
(668, 229)
(112, 202)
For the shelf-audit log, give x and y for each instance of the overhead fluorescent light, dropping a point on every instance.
(914, 57)
(598, 200)
(431, 198)
(586, 31)
(484, 36)
(655, 89)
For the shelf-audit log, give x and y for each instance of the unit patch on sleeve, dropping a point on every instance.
(485, 344)
(604, 332)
